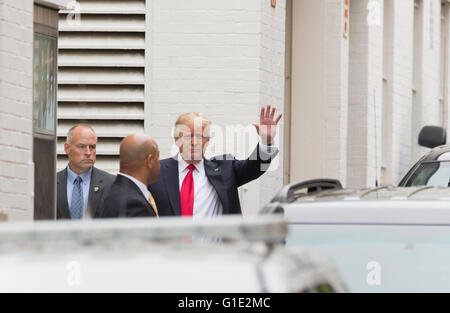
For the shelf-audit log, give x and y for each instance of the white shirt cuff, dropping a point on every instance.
(267, 152)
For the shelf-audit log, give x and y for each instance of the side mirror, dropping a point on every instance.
(432, 136)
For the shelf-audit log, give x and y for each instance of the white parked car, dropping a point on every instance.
(386, 239)
(227, 254)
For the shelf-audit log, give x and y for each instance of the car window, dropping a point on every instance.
(431, 174)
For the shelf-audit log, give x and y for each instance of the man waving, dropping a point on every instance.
(191, 185)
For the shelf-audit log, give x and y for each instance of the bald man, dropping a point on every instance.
(139, 167)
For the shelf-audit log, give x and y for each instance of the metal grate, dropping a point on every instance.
(101, 74)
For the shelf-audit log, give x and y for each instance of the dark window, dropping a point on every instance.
(431, 174)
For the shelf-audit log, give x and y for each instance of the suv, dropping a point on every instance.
(383, 239)
(386, 239)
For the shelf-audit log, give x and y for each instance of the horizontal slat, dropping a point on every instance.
(81, 93)
(113, 76)
(110, 129)
(110, 7)
(105, 146)
(124, 41)
(102, 58)
(102, 111)
(102, 23)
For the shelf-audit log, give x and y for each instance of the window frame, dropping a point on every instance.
(51, 33)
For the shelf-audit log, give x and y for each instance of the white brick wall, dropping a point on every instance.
(375, 94)
(16, 82)
(319, 91)
(336, 91)
(445, 67)
(365, 94)
(427, 110)
(221, 58)
(402, 88)
(398, 90)
(272, 75)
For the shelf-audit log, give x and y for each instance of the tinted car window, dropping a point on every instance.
(431, 174)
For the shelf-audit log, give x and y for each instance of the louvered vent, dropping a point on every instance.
(101, 66)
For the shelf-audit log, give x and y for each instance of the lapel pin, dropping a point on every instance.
(96, 188)
(216, 170)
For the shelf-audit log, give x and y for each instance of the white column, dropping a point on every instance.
(397, 89)
(427, 80)
(365, 93)
(319, 90)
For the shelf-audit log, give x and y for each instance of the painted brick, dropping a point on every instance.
(16, 68)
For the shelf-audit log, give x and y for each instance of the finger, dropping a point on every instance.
(272, 114)
(261, 116)
(278, 118)
(268, 111)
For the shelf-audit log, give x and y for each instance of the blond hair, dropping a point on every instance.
(190, 118)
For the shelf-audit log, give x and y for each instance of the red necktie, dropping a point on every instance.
(187, 193)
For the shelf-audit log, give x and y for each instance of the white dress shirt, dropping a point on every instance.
(206, 200)
(142, 187)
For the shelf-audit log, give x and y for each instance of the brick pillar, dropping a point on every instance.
(426, 72)
(319, 90)
(397, 89)
(16, 92)
(365, 93)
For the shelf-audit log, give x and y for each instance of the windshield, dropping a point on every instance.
(431, 174)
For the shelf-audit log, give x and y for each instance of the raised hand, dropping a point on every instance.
(267, 127)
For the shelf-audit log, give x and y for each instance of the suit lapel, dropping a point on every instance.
(171, 180)
(62, 205)
(95, 191)
(214, 175)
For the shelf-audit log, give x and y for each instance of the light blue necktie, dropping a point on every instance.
(77, 199)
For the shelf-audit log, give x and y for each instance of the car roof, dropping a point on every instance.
(382, 205)
(379, 193)
(441, 153)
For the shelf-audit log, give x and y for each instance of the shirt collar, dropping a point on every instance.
(71, 175)
(182, 165)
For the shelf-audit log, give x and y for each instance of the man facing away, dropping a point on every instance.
(80, 186)
(191, 185)
(139, 167)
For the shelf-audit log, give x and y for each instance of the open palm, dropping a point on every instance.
(267, 127)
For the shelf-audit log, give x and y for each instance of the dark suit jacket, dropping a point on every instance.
(225, 174)
(125, 199)
(100, 182)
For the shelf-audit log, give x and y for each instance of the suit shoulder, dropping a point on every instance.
(223, 157)
(168, 160)
(104, 174)
(60, 176)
